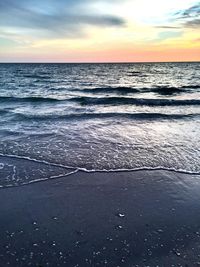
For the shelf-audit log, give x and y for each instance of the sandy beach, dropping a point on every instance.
(141, 218)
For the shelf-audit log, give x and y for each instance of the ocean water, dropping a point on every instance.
(56, 119)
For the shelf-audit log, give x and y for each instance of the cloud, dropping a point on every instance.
(167, 27)
(189, 18)
(195, 23)
(191, 12)
(66, 18)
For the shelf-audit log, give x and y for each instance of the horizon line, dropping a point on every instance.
(96, 62)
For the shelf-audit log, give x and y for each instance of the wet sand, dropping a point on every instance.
(142, 218)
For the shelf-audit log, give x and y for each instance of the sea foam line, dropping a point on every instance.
(39, 180)
(76, 169)
(36, 160)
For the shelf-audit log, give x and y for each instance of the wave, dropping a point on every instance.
(190, 87)
(133, 101)
(119, 90)
(167, 90)
(136, 73)
(115, 100)
(162, 90)
(27, 99)
(82, 116)
(84, 100)
(37, 76)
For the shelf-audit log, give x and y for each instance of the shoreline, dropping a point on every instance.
(71, 170)
(140, 218)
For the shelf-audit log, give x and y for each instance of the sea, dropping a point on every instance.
(58, 119)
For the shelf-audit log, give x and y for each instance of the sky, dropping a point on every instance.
(99, 30)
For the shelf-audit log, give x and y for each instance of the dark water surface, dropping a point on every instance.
(56, 119)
